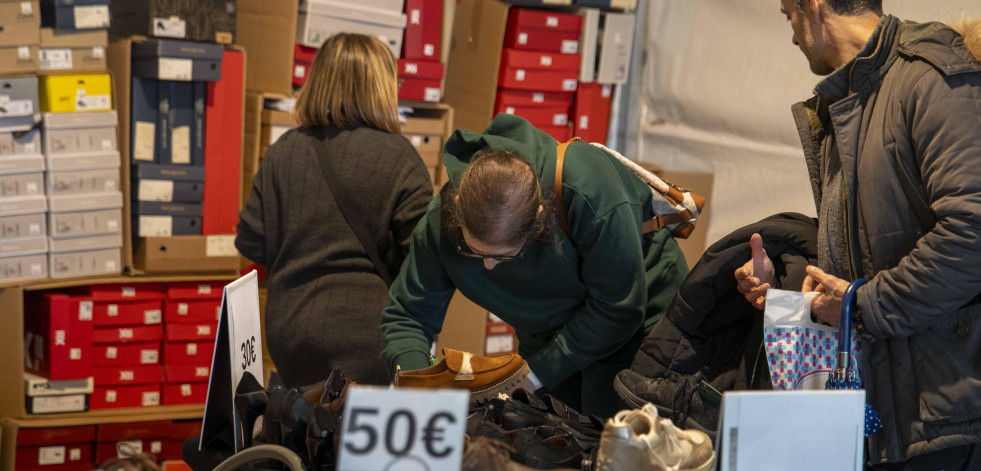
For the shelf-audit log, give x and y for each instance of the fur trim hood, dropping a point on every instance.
(970, 29)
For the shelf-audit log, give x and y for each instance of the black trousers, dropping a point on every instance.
(967, 458)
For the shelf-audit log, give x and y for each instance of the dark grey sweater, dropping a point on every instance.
(325, 296)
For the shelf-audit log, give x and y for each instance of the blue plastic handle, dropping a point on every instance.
(845, 325)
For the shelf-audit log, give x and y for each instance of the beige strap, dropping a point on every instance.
(557, 188)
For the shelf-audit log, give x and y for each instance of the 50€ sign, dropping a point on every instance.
(410, 429)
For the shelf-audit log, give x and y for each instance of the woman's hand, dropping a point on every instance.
(826, 306)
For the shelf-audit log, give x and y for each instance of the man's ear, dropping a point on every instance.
(816, 10)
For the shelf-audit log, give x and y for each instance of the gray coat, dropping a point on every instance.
(909, 139)
(325, 296)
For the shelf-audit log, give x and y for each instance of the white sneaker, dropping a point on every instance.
(639, 439)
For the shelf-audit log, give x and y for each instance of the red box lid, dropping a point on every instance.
(127, 375)
(60, 457)
(303, 53)
(132, 431)
(540, 40)
(195, 290)
(185, 393)
(544, 19)
(126, 354)
(420, 69)
(124, 291)
(519, 59)
(188, 353)
(174, 374)
(143, 395)
(127, 313)
(184, 429)
(538, 80)
(55, 435)
(420, 89)
(192, 332)
(531, 99)
(134, 334)
(188, 311)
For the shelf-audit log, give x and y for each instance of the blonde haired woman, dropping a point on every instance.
(325, 293)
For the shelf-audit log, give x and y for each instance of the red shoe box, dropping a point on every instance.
(188, 353)
(200, 311)
(133, 431)
(517, 59)
(145, 395)
(116, 292)
(127, 375)
(112, 450)
(539, 117)
(136, 334)
(530, 99)
(186, 393)
(195, 290)
(423, 29)
(420, 69)
(538, 80)
(499, 328)
(544, 19)
(181, 430)
(191, 332)
(126, 354)
(61, 457)
(128, 313)
(528, 39)
(421, 90)
(302, 61)
(197, 373)
(58, 336)
(559, 133)
(55, 435)
(223, 114)
(591, 112)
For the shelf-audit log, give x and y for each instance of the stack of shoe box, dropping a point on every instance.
(58, 352)
(20, 24)
(62, 448)
(72, 15)
(127, 439)
(419, 68)
(23, 229)
(191, 311)
(540, 68)
(197, 20)
(127, 344)
(606, 43)
(73, 36)
(320, 19)
(169, 95)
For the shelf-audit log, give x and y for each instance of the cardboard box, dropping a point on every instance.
(591, 113)
(223, 146)
(127, 335)
(76, 244)
(85, 181)
(156, 208)
(185, 393)
(166, 226)
(58, 336)
(588, 42)
(38, 386)
(268, 32)
(27, 225)
(21, 184)
(84, 263)
(181, 173)
(75, 92)
(123, 449)
(126, 354)
(617, 4)
(22, 205)
(302, 61)
(191, 332)
(168, 191)
(23, 268)
(176, 69)
(23, 246)
(423, 30)
(29, 458)
(318, 21)
(72, 133)
(187, 373)
(19, 143)
(127, 313)
(19, 59)
(83, 51)
(126, 375)
(74, 15)
(57, 404)
(20, 23)
(200, 20)
(21, 164)
(427, 129)
(85, 201)
(188, 353)
(252, 145)
(85, 223)
(213, 253)
(145, 395)
(463, 327)
(83, 161)
(615, 50)
(21, 97)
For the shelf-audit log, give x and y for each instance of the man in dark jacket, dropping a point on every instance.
(892, 141)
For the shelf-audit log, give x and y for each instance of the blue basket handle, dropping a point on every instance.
(845, 324)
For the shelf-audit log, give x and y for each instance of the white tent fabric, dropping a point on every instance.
(718, 81)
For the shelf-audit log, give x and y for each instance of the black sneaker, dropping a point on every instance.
(677, 397)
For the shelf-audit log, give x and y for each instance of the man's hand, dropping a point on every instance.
(826, 306)
(754, 277)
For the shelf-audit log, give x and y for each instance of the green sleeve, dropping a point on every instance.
(420, 295)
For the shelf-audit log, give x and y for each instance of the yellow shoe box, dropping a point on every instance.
(76, 92)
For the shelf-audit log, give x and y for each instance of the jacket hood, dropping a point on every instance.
(506, 132)
(941, 45)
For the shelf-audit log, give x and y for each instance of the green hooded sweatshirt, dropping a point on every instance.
(579, 300)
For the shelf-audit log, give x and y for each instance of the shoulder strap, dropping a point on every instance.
(352, 219)
(557, 188)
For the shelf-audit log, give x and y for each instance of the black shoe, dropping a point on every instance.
(675, 396)
(546, 448)
(250, 401)
(323, 433)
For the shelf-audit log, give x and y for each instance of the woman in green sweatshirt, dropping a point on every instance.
(579, 307)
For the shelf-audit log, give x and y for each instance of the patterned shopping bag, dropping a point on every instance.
(801, 353)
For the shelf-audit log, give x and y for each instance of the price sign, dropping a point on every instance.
(402, 429)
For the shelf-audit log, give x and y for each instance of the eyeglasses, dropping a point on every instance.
(500, 258)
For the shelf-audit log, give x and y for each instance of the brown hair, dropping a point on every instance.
(499, 196)
(352, 83)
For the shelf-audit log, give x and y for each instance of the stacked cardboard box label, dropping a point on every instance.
(540, 68)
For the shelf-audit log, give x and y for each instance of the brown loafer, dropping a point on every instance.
(485, 377)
